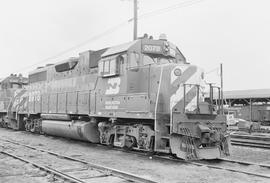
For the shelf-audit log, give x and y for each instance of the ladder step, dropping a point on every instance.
(165, 137)
(163, 150)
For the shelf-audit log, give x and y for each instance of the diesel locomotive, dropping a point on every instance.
(140, 95)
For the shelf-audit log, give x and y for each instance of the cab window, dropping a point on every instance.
(16, 86)
(134, 59)
(163, 61)
(147, 60)
(113, 66)
(109, 66)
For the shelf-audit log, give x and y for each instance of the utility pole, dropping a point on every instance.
(135, 19)
(221, 87)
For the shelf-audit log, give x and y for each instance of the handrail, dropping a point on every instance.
(197, 95)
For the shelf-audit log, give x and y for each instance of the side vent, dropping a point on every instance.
(66, 66)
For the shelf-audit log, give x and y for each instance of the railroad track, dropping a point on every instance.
(262, 130)
(249, 168)
(64, 167)
(250, 141)
(57, 174)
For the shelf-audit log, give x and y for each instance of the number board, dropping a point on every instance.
(147, 48)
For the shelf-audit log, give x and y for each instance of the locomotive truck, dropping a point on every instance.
(140, 95)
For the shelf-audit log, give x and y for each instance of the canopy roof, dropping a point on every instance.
(246, 94)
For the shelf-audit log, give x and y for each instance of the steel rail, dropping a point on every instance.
(111, 171)
(197, 163)
(46, 169)
(251, 137)
(173, 159)
(245, 162)
(232, 170)
(251, 141)
(203, 163)
(250, 144)
(206, 164)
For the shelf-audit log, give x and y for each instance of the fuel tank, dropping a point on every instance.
(78, 130)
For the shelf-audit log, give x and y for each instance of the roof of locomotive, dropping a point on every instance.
(146, 45)
(43, 68)
(133, 45)
(13, 78)
(119, 48)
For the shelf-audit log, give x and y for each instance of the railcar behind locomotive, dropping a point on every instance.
(10, 86)
(140, 95)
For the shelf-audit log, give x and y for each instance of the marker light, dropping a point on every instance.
(177, 72)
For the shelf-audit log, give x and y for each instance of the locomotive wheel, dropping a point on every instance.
(111, 140)
(26, 127)
(1, 122)
(152, 143)
(130, 143)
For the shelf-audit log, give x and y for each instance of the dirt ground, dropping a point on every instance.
(255, 155)
(157, 170)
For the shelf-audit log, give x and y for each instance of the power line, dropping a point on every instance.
(116, 27)
(213, 70)
(109, 31)
(170, 8)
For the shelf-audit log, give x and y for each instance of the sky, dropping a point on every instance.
(208, 32)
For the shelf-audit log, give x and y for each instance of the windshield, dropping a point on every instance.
(147, 59)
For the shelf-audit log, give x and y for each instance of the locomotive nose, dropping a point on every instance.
(187, 85)
(187, 75)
